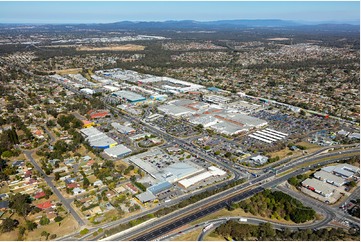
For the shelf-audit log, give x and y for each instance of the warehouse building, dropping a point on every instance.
(343, 170)
(111, 88)
(216, 99)
(329, 178)
(159, 187)
(176, 111)
(205, 120)
(228, 128)
(118, 151)
(87, 91)
(244, 120)
(146, 197)
(212, 172)
(122, 129)
(260, 159)
(178, 171)
(319, 187)
(97, 139)
(129, 96)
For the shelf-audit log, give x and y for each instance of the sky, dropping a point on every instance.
(114, 11)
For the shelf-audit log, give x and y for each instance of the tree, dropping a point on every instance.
(228, 154)
(58, 218)
(61, 146)
(86, 182)
(20, 203)
(7, 154)
(31, 225)
(44, 220)
(52, 237)
(265, 231)
(48, 193)
(21, 232)
(45, 234)
(8, 225)
(57, 176)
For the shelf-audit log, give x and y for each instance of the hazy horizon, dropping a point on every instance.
(110, 12)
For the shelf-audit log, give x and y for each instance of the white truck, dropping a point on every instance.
(242, 220)
(209, 226)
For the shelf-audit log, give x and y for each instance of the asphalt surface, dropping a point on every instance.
(336, 213)
(203, 210)
(199, 214)
(207, 210)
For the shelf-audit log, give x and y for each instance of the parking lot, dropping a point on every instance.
(179, 128)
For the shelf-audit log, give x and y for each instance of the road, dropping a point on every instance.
(354, 195)
(170, 222)
(55, 190)
(218, 197)
(337, 213)
(169, 138)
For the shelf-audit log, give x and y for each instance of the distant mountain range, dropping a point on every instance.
(191, 24)
(202, 25)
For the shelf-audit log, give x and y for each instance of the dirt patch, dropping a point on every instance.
(68, 71)
(67, 226)
(213, 237)
(10, 236)
(127, 47)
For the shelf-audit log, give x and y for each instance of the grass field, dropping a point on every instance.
(67, 226)
(128, 47)
(213, 237)
(191, 236)
(283, 153)
(308, 145)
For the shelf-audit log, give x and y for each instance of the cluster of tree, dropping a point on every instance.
(8, 225)
(273, 159)
(69, 121)
(21, 204)
(297, 180)
(8, 139)
(242, 231)
(277, 205)
(106, 170)
(265, 231)
(138, 184)
(19, 124)
(6, 170)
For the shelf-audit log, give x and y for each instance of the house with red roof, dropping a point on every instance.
(72, 185)
(39, 195)
(45, 205)
(94, 114)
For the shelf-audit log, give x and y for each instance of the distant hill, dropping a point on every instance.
(192, 25)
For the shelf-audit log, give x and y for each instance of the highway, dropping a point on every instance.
(213, 203)
(195, 211)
